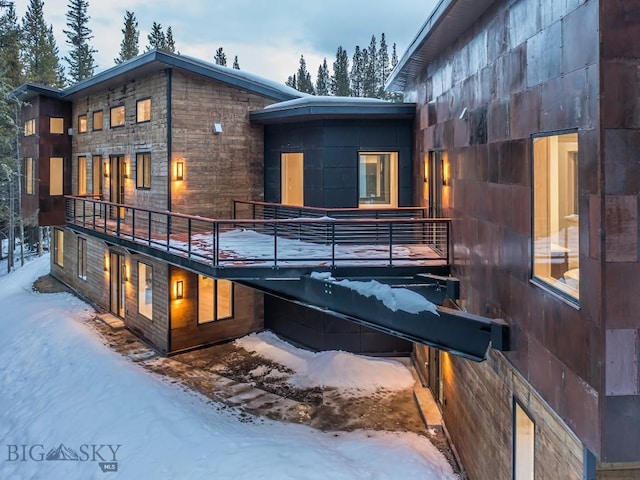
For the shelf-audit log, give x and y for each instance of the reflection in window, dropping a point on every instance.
(56, 125)
(145, 290)
(215, 299)
(555, 212)
(143, 110)
(378, 179)
(56, 175)
(117, 116)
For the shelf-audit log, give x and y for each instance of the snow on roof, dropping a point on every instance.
(326, 100)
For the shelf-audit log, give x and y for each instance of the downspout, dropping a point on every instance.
(168, 87)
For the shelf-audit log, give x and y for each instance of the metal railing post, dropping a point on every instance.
(149, 228)
(216, 243)
(390, 244)
(168, 231)
(93, 223)
(333, 245)
(189, 233)
(275, 244)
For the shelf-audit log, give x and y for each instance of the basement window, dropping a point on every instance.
(523, 444)
(215, 299)
(58, 247)
(145, 290)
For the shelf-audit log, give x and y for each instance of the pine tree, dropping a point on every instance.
(156, 38)
(170, 44)
(80, 59)
(370, 84)
(394, 57)
(383, 67)
(292, 82)
(340, 79)
(322, 80)
(221, 57)
(236, 65)
(356, 73)
(305, 84)
(10, 45)
(130, 38)
(39, 52)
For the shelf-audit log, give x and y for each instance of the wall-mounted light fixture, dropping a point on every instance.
(179, 170)
(426, 170)
(127, 275)
(127, 169)
(217, 128)
(105, 262)
(445, 171)
(106, 168)
(179, 289)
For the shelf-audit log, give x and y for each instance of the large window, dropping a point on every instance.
(97, 120)
(56, 175)
(82, 123)
(30, 127)
(58, 247)
(117, 116)
(143, 110)
(56, 125)
(145, 290)
(215, 299)
(29, 176)
(143, 170)
(378, 179)
(82, 258)
(523, 444)
(96, 175)
(555, 212)
(82, 175)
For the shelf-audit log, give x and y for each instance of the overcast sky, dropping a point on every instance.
(267, 35)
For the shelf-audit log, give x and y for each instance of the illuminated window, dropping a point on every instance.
(145, 290)
(56, 125)
(117, 116)
(56, 175)
(58, 247)
(143, 170)
(143, 110)
(82, 258)
(82, 175)
(96, 174)
(555, 212)
(82, 124)
(30, 127)
(215, 299)
(523, 444)
(29, 176)
(378, 179)
(97, 120)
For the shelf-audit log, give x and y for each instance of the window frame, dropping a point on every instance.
(552, 287)
(82, 175)
(138, 102)
(51, 169)
(516, 404)
(30, 127)
(141, 294)
(82, 258)
(143, 161)
(394, 179)
(82, 123)
(53, 119)
(111, 110)
(93, 120)
(215, 318)
(29, 176)
(58, 247)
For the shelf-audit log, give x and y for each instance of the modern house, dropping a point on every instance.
(531, 109)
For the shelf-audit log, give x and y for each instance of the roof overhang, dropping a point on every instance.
(448, 21)
(27, 91)
(320, 108)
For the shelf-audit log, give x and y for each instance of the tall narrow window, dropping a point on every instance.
(96, 175)
(555, 212)
(97, 120)
(56, 125)
(82, 175)
(29, 176)
(143, 170)
(117, 116)
(215, 299)
(56, 175)
(82, 258)
(378, 179)
(523, 444)
(82, 123)
(292, 179)
(143, 110)
(30, 127)
(58, 247)
(145, 290)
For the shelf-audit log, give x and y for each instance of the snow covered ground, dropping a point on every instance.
(65, 396)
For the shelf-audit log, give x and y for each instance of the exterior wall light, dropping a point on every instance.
(127, 169)
(105, 262)
(127, 275)
(445, 172)
(179, 289)
(179, 170)
(106, 169)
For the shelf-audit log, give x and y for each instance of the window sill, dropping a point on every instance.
(556, 292)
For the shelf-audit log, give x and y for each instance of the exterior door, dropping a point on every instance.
(117, 283)
(116, 186)
(434, 181)
(292, 179)
(434, 373)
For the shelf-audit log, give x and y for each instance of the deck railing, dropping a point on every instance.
(326, 240)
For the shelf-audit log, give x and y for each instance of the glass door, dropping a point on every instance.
(116, 187)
